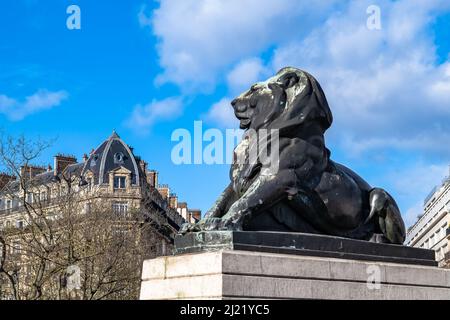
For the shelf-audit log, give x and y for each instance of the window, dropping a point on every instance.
(8, 204)
(16, 248)
(119, 158)
(94, 160)
(89, 181)
(119, 182)
(87, 207)
(29, 197)
(43, 196)
(51, 216)
(120, 208)
(19, 224)
(163, 248)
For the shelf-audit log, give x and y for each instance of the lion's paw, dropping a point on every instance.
(214, 224)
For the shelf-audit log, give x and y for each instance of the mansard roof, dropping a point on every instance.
(112, 154)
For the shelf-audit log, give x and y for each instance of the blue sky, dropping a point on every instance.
(146, 68)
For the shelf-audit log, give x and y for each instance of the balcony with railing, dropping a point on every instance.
(447, 258)
(36, 205)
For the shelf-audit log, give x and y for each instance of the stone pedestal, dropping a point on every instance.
(234, 274)
(280, 265)
(305, 244)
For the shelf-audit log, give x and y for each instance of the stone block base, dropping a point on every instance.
(258, 275)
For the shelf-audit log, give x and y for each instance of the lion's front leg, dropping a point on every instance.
(235, 217)
(262, 194)
(222, 204)
(232, 221)
(212, 219)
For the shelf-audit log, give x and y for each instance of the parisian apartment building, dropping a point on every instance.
(432, 228)
(111, 175)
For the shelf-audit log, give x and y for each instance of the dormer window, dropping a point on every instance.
(94, 160)
(90, 184)
(119, 182)
(119, 158)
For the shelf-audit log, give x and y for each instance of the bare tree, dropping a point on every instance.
(70, 244)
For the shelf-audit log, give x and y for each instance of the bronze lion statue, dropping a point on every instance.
(308, 192)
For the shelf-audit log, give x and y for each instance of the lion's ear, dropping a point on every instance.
(288, 80)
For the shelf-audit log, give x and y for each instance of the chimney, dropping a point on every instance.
(49, 168)
(152, 178)
(195, 214)
(5, 179)
(164, 191)
(182, 205)
(62, 161)
(30, 171)
(143, 165)
(182, 210)
(85, 157)
(173, 201)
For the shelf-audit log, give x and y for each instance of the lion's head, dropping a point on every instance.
(286, 100)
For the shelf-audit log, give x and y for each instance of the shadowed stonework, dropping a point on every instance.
(302, 244)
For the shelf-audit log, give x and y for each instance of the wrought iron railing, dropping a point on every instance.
(37, 204)
(447, 257)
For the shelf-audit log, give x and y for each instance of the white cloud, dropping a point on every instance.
(413, 182)
(411, 215)
(439, 91)
(144, 116)
(221, 114)
(246, 73)
(386, 88)
(239, 79)
(388, 79)
(144, 20)
(6, 103)
(43, 99)
(200, 39)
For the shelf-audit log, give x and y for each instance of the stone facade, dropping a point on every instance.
(110, 174)
(432, 229)
(111, 178)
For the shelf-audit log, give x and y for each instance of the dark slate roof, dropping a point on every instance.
(39, 179)
(74, 169)
(110, 155)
